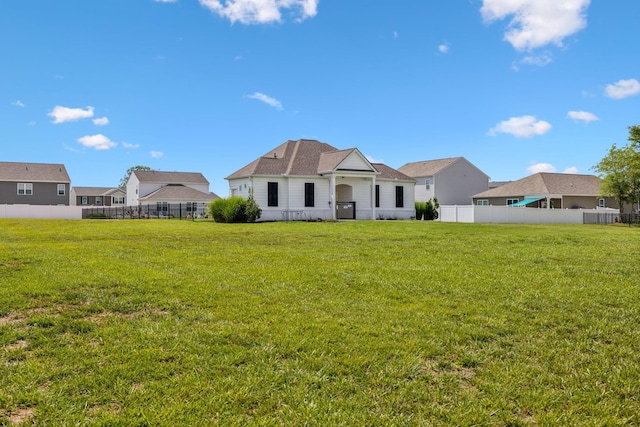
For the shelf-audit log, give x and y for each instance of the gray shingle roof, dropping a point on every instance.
(177, 193)
(34, 172)
(427, 167)
(171, 177)
(96, 191)
(547, 183)
(301, 157)
(387, 172)
(305, 157)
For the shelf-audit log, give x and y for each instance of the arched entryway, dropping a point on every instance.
(346, 207)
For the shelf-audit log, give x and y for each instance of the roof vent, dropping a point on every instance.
(275, 155)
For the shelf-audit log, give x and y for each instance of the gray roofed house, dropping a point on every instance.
(453, 181)
(34, 183)
(548, 190)
(308, 179)
(98, 196)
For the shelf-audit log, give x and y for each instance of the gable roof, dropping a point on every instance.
(170, 177)
(96, 191)
(548, 183)
(301, 157)
(387, 172)
(427, 167)
(178, 192)
(34, 172)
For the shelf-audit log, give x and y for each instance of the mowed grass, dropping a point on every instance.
(156, 322)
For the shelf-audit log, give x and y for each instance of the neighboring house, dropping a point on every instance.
(98, 196)
(34, 184)
(309, 180)
(453, 181)
(161, 189)
(548, 190)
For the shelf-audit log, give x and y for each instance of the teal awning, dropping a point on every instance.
(525, 202)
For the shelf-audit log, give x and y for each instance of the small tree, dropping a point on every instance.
(431, 211)
(427, 210)
(125, 178)
(620, 170)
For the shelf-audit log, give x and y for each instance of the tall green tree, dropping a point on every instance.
(125, 178)
(620, 170)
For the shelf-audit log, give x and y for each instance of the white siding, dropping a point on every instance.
(354, 162)
(132, 187)
(387, 209)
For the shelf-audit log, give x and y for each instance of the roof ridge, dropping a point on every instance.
(293, 156)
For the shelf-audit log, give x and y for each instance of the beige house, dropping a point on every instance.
(548, 190)
(453, 181)
(310, 180)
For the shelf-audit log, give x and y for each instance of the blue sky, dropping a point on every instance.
(515, 86)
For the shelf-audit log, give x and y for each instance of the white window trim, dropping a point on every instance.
(513, 201)
(64, 189)
(26, 187)
(84, 200)
(482, 202)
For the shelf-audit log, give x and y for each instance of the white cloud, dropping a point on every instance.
(536, 23)
(266, 99)
(623, 89)
(537, 60)
(571, 169)
(583, 116)
(521, 127)
(64, 114)
(98, 142)
(101, 121)
(18, 103)
(395, 34)
(444, 48)
(541, 167)
(130, 146)
(157, 154)
(260, 11)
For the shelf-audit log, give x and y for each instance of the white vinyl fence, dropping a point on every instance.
(512, 215)
(35, 211)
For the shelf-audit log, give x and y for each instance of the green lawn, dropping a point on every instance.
(156, 322)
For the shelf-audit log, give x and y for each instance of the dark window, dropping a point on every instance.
(377, 196)
(399, 197)
(309, 194)
(272, 194)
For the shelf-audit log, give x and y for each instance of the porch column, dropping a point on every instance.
(548, 202)
(332, 196)
(373, 197)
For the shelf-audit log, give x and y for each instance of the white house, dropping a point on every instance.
(309, 180)
(453, 181)
(161, 189)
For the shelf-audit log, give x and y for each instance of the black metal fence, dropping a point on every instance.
(610, 218)
(189, 211)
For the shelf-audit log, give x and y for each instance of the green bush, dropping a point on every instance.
(427, 210)
(234, 209)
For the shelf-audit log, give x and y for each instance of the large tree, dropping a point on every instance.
(620, 170)
(123, 181)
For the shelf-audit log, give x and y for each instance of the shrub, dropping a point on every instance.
(427, 210)
(234, 209)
